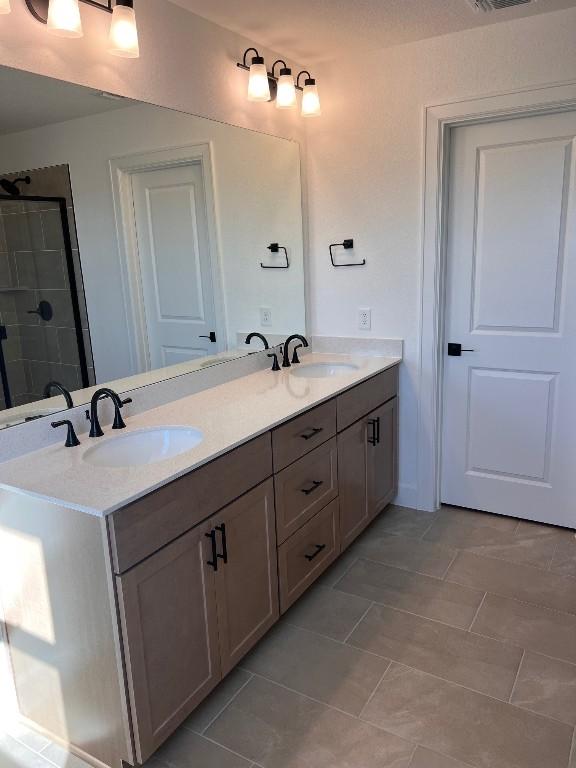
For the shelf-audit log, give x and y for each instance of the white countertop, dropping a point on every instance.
(227, 415)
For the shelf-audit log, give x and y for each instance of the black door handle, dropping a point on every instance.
(315, 485)
(455, 350)
(319, 548)
(374, 438)
(224, 555)
(214, 561)
(312, 433)
(211, 336)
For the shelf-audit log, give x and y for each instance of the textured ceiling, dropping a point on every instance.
(310, 31)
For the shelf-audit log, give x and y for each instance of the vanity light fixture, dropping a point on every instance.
(267, 86)
(5, 6)
(63, 19)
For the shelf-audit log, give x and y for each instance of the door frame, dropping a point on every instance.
(439, 121)
(121, 170)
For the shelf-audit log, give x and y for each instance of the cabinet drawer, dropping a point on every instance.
(360, 400)
(307, 554)
(305, 487)
(303, 434)
(138, 530)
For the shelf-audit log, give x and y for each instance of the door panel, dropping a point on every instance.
(175, 263)
(509, 414)
(352, 482)
(381, 462)
(170, 635)
(247, 584)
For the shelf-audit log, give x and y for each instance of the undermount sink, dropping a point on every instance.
(323, 370)
(146, 446)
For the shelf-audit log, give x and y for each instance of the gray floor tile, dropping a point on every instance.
(520, 582)
(466, 725)
(547, 686)
(403, 521)
(61, 758)
(480, 663)
(413, 592)
(190, 750)
(13, 754)
(328, 612)
(318, 667)
(532, 546)
(530, 626)
(402, 552)
(564, 560)
(479, 519)
(281, 729)
(201, 718)
(425, 758)
(338, 569)
(31, 739)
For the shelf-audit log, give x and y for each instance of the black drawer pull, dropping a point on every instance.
(374, 438)
(214, 561)
(319, 548)
(315, 485)
(312, 433)
(224, 555)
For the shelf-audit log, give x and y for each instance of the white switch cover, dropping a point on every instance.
(364, 319)
(265, 316)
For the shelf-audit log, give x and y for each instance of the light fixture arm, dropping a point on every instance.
(278, 61)
(246, 52)
(304, 72)
(39, 8)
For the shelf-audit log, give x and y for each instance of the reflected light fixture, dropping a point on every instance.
(286, 88)
(5, 6)
(310, 98)
(123, 39)
(63, 18)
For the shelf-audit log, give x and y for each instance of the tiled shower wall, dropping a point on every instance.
(33, 268)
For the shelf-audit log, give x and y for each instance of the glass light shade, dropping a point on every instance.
(310, 101)
(123, 39)
(258, 85)
(64, 18)
(286, 93)
(5, 6)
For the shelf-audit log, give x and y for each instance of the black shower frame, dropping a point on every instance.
(73, 285)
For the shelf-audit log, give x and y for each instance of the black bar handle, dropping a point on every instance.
(214, 561)
(211, 336)
(319, 548)
(378, 430)
(373, 437)
(312, 433)
(315, 485)
(224, 555)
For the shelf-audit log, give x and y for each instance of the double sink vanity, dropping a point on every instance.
(145, 564)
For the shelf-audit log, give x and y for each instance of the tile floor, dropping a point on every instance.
(436, 641)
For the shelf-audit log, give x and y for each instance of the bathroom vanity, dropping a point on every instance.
(127, 602)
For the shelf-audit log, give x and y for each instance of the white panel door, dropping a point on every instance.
(175, 263)
(509, 424)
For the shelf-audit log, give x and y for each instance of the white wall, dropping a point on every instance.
(257, 198)
(365, 174)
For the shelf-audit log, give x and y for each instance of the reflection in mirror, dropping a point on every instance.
(136, 243)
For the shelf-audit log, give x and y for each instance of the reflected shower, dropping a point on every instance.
(11, 187)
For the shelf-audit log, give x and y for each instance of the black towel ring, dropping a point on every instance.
(347, 245)
(275, 248)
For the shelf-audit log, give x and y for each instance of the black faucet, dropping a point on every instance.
(100, 394)
(257, 336)
(59, 388)
(286, 356)
(71, 438)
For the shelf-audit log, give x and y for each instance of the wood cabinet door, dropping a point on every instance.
(352, 481)
(382, 456)
(170, 635)
(247, 578)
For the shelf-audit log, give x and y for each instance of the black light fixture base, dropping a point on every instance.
(39, 8)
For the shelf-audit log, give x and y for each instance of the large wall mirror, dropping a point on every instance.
(136, 243)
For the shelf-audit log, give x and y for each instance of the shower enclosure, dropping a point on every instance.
(41, 326)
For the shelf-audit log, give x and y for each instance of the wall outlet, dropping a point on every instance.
(265, 316)
(364, 319)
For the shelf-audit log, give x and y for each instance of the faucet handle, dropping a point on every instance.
(275, 364)
(295, 358)
(71, 438)
(118, 420)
